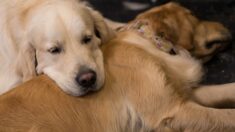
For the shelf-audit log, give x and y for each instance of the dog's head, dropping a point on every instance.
(178, 25)
(65, 38)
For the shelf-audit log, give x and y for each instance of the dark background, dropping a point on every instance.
(221, 69)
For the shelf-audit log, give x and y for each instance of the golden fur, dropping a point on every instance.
(177, 24)
(31, 30)
(217, 96)
(145, 90)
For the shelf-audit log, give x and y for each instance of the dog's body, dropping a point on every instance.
(145, 90)
(59, 38)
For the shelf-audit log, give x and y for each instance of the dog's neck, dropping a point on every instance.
(143, 29)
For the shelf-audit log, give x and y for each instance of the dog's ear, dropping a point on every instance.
(210, 37)
(102, 30)
(26, 62)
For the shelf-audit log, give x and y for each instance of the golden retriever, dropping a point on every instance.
(177, 24)
(146, 89)
(60, 38)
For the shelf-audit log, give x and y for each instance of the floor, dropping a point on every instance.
(221, 69)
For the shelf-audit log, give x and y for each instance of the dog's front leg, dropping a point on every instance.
(192, 117)
(218, 96)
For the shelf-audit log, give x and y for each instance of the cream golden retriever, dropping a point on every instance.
(60, 38)
(177, 24)
(147, 89)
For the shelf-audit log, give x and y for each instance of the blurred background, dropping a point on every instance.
(221, 69)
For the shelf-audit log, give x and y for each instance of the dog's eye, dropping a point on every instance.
(172, 52)
(87, 39)
(55, 50)
(97, 33)
(209, 45)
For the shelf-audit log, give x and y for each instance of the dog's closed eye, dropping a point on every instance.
(216, 42)
(97, 33)
(172, 52)
(86, 39)
(55, 50)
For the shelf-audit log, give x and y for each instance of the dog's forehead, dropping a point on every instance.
(63, 20)
(76, 18)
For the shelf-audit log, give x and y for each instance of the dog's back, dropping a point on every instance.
(39, 105)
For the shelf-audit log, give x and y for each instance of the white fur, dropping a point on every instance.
(30, 28)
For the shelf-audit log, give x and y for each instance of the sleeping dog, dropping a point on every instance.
(60, 38)
(148, 87)
(201, 38)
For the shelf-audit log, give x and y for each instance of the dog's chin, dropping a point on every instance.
(75, 91)
(70, 88)
(79, 91)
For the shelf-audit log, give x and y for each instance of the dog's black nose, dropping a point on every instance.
(86, 79)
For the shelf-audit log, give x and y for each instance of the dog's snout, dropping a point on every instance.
(86, 79)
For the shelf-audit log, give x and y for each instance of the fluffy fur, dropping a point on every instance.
(32, 30)
(177, 24)
(145, 90)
